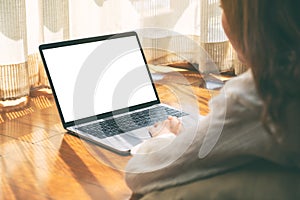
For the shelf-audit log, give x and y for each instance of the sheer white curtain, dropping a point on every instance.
(162, 24)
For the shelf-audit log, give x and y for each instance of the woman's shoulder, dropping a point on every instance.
(242, 90)
(241, 83)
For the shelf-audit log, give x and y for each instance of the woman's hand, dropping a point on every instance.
(170, 125)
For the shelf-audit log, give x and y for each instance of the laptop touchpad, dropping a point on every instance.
(137, 136)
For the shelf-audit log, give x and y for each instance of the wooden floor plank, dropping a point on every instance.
(39, 160)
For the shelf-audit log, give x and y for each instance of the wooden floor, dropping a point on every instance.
(38, 160)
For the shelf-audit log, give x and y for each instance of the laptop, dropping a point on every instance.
(104, 91)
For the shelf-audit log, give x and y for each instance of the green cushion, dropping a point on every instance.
(256, 181)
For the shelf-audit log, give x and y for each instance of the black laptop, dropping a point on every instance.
(103, 89)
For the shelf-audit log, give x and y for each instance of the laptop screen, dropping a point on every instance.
(93, 77)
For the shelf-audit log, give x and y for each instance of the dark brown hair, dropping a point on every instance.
(268, 34)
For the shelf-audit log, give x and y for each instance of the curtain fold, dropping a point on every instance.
(13, 47)
(164, 26)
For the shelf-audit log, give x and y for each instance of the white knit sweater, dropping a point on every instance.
(231, 135)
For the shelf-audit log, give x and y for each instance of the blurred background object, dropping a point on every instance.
(176, 31)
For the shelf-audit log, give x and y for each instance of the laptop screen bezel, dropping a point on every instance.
(89, 40)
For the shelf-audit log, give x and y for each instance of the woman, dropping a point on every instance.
(261, 116)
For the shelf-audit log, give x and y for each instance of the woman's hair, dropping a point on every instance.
(268, 35)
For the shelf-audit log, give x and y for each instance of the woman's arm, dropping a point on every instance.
(231, 135)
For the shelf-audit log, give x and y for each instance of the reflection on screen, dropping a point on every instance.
(99, 77)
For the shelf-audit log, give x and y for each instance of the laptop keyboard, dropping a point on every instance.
(130, 122)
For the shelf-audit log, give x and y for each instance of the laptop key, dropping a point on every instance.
(126, 123)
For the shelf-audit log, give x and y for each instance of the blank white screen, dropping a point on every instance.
(99, 77)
